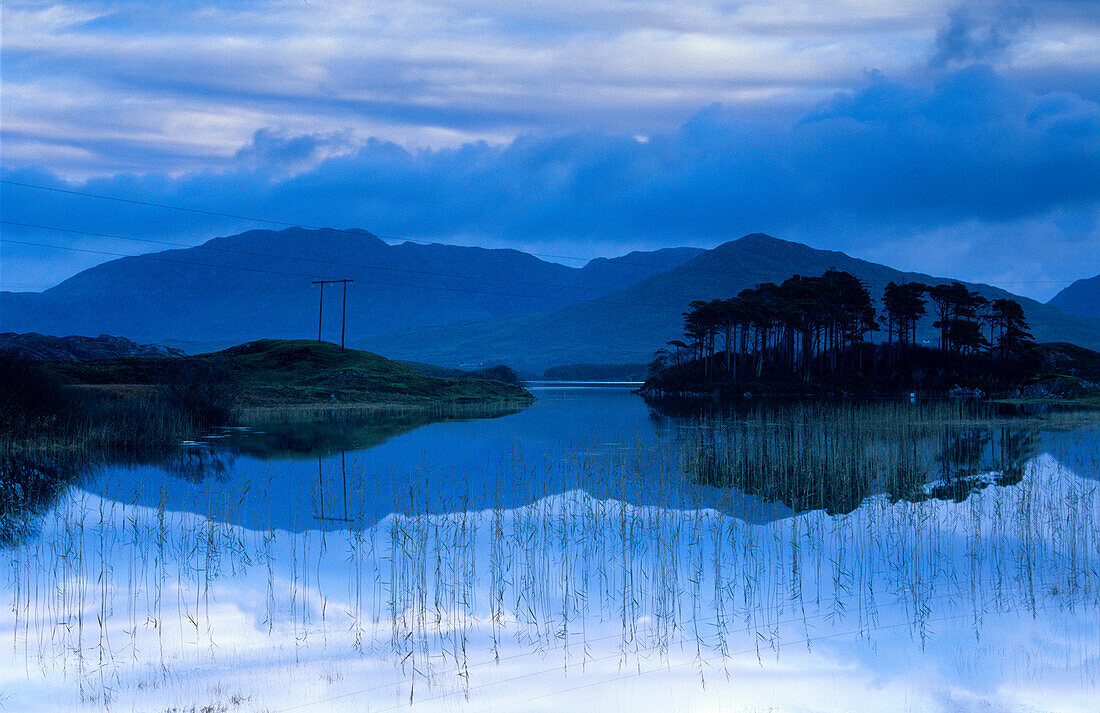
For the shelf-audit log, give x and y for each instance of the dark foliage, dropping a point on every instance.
(29, 484)
(500, 372)
(39, 402)
(203, 389)
(30, 396)
(812, 334)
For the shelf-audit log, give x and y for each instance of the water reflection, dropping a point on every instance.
(578, 536)
(195, 463)
(833, 456)
(342, 493)
(30, 485)
(759, 462)
(197, 475)
(292, 438)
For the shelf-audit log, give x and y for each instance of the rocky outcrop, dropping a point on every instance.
(1058, 387)
(48, 348)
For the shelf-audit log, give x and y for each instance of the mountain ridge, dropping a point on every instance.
(613, 328)
(442, 304)
(258, 284)
(1082, 298)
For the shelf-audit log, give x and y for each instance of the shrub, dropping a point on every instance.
(30, 395)
(499, 372)
(204, 390)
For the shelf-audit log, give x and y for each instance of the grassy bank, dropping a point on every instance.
(144, 402)
(281, 373)
(278, 373)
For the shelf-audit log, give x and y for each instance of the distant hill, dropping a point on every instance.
(1082, 298)
(257, 284)
(38, 346)
(597, 372)
(628, 325)
(500, 372)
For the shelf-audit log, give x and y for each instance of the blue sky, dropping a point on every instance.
(957, 139)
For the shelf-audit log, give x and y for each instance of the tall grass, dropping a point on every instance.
(39, 412)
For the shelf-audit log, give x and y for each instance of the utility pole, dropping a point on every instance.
(343, 312)
(320, 306)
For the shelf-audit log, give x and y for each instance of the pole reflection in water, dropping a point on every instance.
(320, 514)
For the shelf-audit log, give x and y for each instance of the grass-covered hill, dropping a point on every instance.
(280, 372)
(1070, 360)
(142, 407)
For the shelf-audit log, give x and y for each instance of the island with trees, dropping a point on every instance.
(826, 335)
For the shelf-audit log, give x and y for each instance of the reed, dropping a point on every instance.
(757, 531)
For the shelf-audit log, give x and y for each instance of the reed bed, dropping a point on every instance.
(763, 534)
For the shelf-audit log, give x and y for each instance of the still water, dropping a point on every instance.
(586, 553)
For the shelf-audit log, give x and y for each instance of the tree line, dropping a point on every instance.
(813, 327)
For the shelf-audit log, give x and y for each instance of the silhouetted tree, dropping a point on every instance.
(954, 303)
(811, 327)
(1013, 336)
(678, 350)
(905, 306)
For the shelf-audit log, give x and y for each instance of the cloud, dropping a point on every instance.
(979, 34)
(969, 157)
(282, 155)
(92, 90)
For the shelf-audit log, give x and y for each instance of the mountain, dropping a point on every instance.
(440, 304)
(258, 284)
(628, 325)
(1082, 298)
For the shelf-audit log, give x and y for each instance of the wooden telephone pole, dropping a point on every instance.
(343, 312)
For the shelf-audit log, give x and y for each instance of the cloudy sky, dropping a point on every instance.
(960, 139)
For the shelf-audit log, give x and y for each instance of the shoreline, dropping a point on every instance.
(349, 409)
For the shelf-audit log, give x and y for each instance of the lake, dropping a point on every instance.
(587, 553)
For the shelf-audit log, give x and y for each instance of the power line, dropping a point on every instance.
(156, 257)
(599, 291)
(150, 204)
(218, 214)
(361, 233)
(336, 263)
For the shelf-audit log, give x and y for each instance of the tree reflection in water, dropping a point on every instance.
(833, 456)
